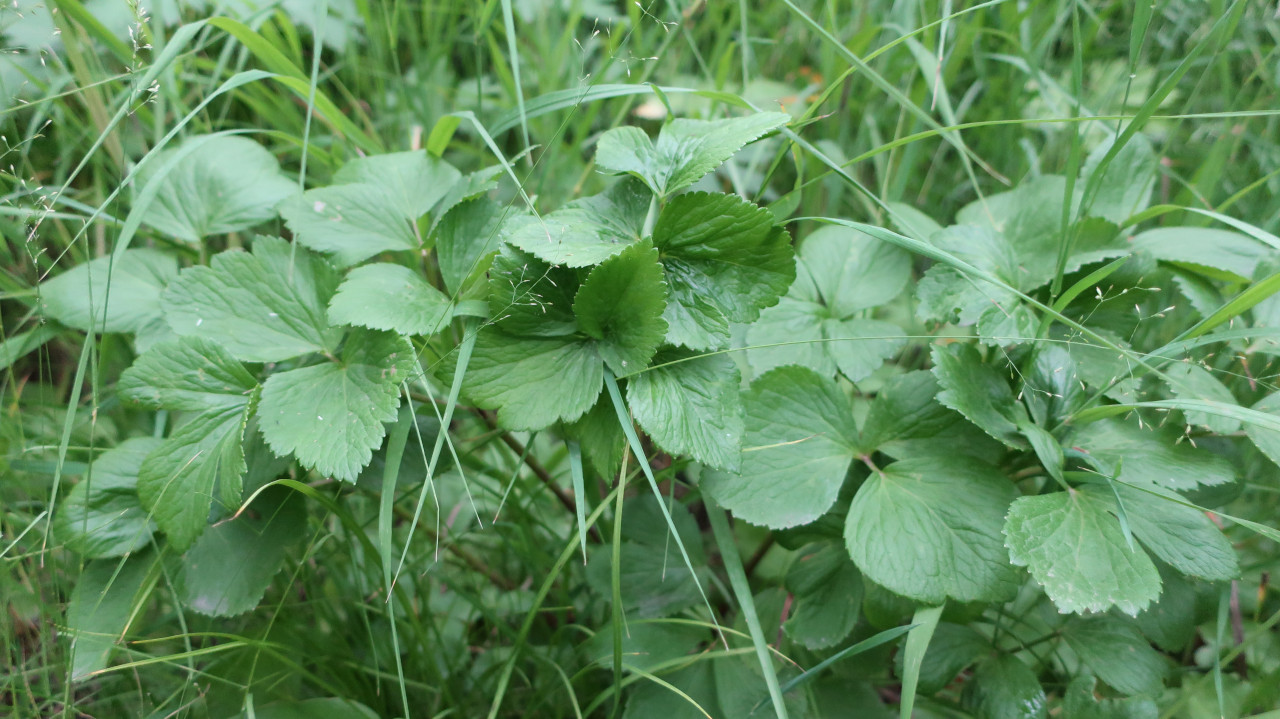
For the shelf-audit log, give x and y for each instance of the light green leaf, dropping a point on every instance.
(95, 296)
(466, 238)
(472, 186)
(859, 347)
(590, 230)
(331, 415)
(102, 515)
(1076, 550)
(1151, 456)
(1116, 653)
(928, 528)
(1004, 687)
(1265, 439)
(849, 271)
(383, 296)
(228, 184)
(350, 222)
(691, 408)
(977, 391)
(103, 601)
(230, 567)
(621, 304)
(187, 373)
(413, 181)
(262, 307)
(1125, 189)
(726, 250)
(790, 332)
(1222, 254)
(828, 591)
(797, 450)
(533, 382)
(1189, 381)
(685, 151)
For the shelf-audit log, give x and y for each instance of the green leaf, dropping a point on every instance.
(188, 373)
(803, 333)
(849, 271)
(1052, 389)
(331, 415)
(104, 599)
(533, 382)
(327, 707)
(413, 181)
(383, 296)
(1076, 550)
(529, 297)
(1125, 187)
(264, 306)
(601, 437)
(1183, 537)
(1221, 254)
(1189, 381)
(928, 528)
(1081, 703)
(621, 304)
(1115, 652)
(1151, 456)
(725, 250)
(977, 391)
(1171, 622)
(227, 184)
(905, 408)
(1266, 440)
(828, 590)
(99, 297)
(692, 407)
(203, 458)
(588, 231)
(351, 222)
(102, 515)
(466, 238)
(1004, 687)
(685, 151)
(797, 450)
(230, 567)
(953, 648)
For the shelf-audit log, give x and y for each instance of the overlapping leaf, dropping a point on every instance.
(590, 230)
(102, 515)
(692, 407)
(110, 294)
(383, 296)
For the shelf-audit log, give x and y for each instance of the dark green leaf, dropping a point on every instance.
(466, 238)
(978, 391)
(1116, 653)
(1004, 687)
(104, 599)
(828, 589)
(188, 373)
(621, 304)
(533, 382)
(1151, 456)
(102, 515)
(529, 297)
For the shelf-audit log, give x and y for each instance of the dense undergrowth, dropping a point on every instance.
(572, 358)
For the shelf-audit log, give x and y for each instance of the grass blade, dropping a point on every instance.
(924, 621)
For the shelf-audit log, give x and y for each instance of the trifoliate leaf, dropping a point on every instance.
(1150, 456)
(1221, 254)
(226, 184)
(621, 304)
(685, 151)
(331, 415)
(264, 306)
(102, 515)
(726, 250)
(466, 238)
(1181, 536)
(100, 296)
(828, 591)
(529, 297)
(203, 458)
(1004, 687)
(533, 381)
(1189, 381)
(1114, 651)
(692, 407)
(1076, 550)
(796, 452)
(383, 296)
(849, 271)
(413, 181)
(978, 391)
(230, 567)
(1125, 188)
(928, 528)
(352, 222)
(588, 231)
(188, 373)
(106, 596)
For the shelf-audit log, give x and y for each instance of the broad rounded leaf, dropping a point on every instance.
(106, 596)
(413, 181)
(102, 515)
(828, 592)
(928, 528)
(383, 296)
(264, 306)
(621, 304)
(905, 408)
(1151, 456)
(1222, 254)
(225, 184)
(350, 222)
(590, 230)
(106, 296)
(790, 332)
(850, 271)
(533, 382)
(692, 407)
(1116, 653)
(1077, 551)
(331, 415)
(1004, 687)
(797, 450)
(466, 238)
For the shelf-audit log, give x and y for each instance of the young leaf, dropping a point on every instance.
(264, 306)
(413, 181)
(227, 184)
(1117, 654)
(797, 450)
(331, 415)
(383, 296)
(685, 151)
(977, 391)
(104, 599)
(1004, 687)
(1151, 456)
(692, 407)
(102, 515)
(99, 297)
(230, 567)
(621, 304)
(725, 250)
(928, 528)
(1077, 552)
(590, 230)
(351, 222)
(533, 381)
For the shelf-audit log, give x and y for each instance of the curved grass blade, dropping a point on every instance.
(924, 621)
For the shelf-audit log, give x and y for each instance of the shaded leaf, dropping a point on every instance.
(466, 238)
(187, 373)
(1116, 653)
(97, 296)
(1004, 687)
(103, 601)
(533, 382)
(1150, 456)
(977, 391)
(102, 515)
